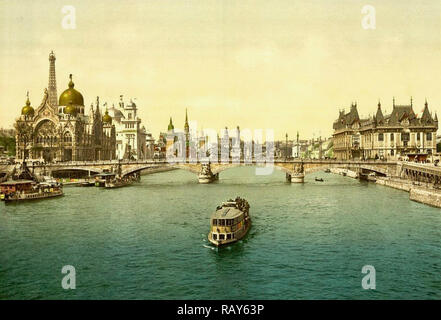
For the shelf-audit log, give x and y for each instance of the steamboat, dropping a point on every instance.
(230, 222)
(22, 190)
(25, 186)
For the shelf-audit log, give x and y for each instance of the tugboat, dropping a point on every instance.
(230, 222)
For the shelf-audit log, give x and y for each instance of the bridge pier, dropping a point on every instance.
(297, 175)
(206, 175)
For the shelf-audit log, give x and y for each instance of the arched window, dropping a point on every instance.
(67, 137)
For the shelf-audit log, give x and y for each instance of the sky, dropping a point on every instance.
(285, 65)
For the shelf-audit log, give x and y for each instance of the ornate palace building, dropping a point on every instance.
(133, 141)
(386, 136)
(59, 130)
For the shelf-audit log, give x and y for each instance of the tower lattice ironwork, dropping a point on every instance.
(52, 88)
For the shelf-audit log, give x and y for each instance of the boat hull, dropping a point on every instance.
(31, 197)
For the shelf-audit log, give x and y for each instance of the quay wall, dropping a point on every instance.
(419, 193)
(425, 196)
(397, 184)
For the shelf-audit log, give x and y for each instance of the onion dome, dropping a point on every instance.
(107, 118)
(27, 110)
(71, 96)
(70, 109)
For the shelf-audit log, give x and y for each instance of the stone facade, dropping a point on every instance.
(60, 130)
(397, 135)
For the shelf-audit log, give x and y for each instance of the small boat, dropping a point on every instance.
(21, 190)
(117, 183)
(319, 179)
(328, 170)
(87, 184)
(230, 222)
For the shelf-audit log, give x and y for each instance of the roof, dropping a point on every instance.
(227, 213)
(15, 182)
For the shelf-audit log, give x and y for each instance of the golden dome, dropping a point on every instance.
(27, 110)
(107, 118)
(70, 109)
(71, 95)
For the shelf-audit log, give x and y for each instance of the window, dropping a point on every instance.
(214, 236)
(405, 136)
(221, 237)
(392, 152)
(214, 222)
(418, 136)
(429, 136)
(380, 137)
(228, 236)
(391, 137)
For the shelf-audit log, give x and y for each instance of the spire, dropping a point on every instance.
(53, 96)
(379, 118)
(411, 101)
(393, 101)
(186, 127)
(170, 125)
(97, 106)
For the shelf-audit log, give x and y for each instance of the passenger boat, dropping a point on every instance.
(230, 222)
(320, 180)
(21, 190)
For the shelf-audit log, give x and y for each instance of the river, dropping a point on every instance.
(148, 241)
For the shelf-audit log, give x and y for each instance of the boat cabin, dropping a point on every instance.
(9, 187)
(225, 222)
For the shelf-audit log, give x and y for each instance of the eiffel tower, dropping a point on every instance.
(52, 88)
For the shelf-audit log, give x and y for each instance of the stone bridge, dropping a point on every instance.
(207, 172)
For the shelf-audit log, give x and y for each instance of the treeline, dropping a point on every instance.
(7, 141)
